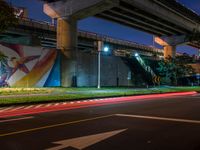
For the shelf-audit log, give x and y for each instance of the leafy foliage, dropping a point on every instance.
(7, 17)
(171, 69)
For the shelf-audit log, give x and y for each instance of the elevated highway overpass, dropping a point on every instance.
(169, 20)
(162, 18)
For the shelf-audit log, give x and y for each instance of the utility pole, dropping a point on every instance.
(100, 46)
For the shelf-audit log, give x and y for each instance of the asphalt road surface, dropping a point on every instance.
(170, 123)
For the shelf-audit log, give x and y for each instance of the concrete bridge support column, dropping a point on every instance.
(169, 51)
(67, 12)
(67, 43)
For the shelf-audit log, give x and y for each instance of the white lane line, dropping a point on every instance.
(160, 118)
(38, 106)
(17, 108)
(56, 104)
(17, 119)
(7, 108)
(3, 108)
(48, 105)
(28, 107)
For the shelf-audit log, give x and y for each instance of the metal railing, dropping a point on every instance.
(109, 39)
(144, 66)
(37, 24)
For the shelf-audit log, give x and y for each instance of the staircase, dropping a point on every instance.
(142, 72)
(144, 66)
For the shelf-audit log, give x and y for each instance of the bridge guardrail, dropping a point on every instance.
(118, 41)
(37, 24)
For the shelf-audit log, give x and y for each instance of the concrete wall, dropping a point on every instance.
(42, 68)
(111, 68)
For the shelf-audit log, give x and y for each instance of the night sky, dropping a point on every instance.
(105, 27)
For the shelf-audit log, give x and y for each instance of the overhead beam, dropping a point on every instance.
(176, 12)
(78, 9)
(195, 45)
(161, 12)
(133, 24)
(142, 22)
(115, 20)
(170, 27)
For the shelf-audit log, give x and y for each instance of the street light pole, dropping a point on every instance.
(99, 70)
(100, 47)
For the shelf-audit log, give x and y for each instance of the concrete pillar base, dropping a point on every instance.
(68, 72)
(67, 43)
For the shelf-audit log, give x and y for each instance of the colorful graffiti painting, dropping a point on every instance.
(25, 66)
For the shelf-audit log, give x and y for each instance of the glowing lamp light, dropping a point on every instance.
(136, 54)
(106, 49)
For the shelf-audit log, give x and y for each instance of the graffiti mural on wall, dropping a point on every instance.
(24, 66)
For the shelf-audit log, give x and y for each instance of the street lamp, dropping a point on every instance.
(106, 49)
(136, 54)
(100, 49)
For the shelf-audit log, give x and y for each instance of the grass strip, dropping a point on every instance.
(69, 94)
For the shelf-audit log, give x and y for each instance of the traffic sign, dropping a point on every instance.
(156, 79)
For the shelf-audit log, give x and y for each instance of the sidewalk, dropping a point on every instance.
(13, 111)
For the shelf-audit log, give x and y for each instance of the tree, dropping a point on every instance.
(7, 17)
(172, 69)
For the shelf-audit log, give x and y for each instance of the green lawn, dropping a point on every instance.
(10, 96)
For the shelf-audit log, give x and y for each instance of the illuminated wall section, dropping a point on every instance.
(25, 66)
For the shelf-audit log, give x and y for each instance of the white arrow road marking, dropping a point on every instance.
(160, 118)
(85, 141)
